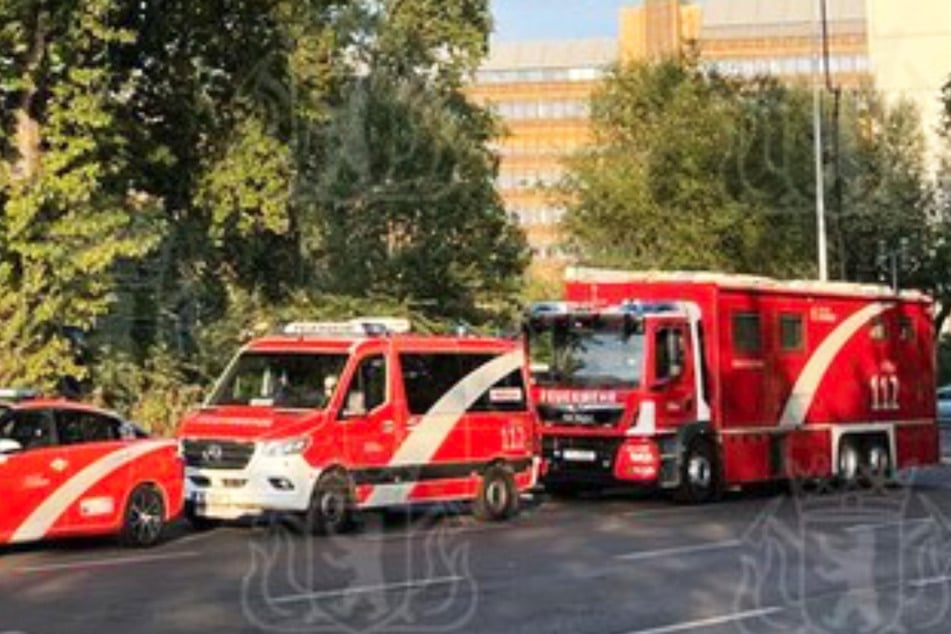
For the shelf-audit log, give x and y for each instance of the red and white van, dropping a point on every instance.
(697, 381)
(327, 418)
(67, 469)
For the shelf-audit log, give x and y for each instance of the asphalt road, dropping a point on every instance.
(758, 562)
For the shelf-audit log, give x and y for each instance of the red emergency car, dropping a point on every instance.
(697, 381)
(67, 469)
(327, 418)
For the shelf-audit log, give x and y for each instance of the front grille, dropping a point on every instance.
(217, 454)
(605, 451)
(580, 416)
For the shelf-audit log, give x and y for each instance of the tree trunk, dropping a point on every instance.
(27, 136)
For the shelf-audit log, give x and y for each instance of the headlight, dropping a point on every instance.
(292, 447)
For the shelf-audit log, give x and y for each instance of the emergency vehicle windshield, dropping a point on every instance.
(290, 381)
(598, 352)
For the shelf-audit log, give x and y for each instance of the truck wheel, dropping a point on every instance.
(143, 522)
(699, 475)
(878, 465)
(850, 461)
(198, 522)
(497, 498)
(331, 506)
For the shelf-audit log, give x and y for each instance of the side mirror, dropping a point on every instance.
(356, 405)
(8, 446)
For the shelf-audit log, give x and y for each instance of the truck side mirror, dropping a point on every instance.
(8, 446)
(356, 405)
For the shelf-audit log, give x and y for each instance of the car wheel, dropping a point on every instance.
(143, 522)
(497, 498)
(699, 474)
(331, 506)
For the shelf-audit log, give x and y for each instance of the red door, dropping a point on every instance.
(672, 374)
(29, 477)
(367, 425)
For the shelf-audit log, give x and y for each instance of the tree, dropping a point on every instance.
(694, 170)
(69, 215)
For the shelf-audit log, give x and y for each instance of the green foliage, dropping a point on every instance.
(175, 172)
(695, 171)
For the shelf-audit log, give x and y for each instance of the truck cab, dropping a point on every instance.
(608, 380)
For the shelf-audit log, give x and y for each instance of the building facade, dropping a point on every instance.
(541, 90)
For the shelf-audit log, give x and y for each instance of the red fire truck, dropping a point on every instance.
(326, 418)
(696, 382)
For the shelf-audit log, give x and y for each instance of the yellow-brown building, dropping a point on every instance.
(542, 89)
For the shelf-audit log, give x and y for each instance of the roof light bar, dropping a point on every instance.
(360, 327)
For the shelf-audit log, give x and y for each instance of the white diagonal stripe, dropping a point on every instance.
(46, 514)
(427, 436)
(804, 392)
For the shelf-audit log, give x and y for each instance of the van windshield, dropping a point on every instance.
(587, 353)
(285, 380)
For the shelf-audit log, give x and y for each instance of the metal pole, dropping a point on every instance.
(820, 167)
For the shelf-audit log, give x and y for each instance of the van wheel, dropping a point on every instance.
(143, 522)
(699, 475)
(198, 522)
(497, 498)
(331, 506)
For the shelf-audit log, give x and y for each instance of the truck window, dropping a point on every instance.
(286, 380)
(878, 331)
(906, 329)
(669, 353)
(746, 333)
(368, 384)
(790, 332)
(599, 352)
(427, 377)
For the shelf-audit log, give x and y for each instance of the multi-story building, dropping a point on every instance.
(541, 90)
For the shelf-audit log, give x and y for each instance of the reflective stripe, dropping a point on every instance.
(46, 514)
(804, 392)
(427, 436)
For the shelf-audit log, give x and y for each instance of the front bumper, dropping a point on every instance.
(283, 484)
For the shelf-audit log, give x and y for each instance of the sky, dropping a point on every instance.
(556, 19)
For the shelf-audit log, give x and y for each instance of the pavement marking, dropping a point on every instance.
(386, 587)
(690, 626)
(871, 527)
(933, 581)
(683, 550)
(103, 563)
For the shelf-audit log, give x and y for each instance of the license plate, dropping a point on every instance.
(580, 455)
(212, 498)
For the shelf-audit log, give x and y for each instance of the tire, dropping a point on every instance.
(497, 499)
(849, 467)
(877, 469)
(332, 509)
(143, 520)
(700, 481)
(198, 522)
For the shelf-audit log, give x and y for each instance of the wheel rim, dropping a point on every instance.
(849, 463)
(878, 461)
(699, 471)
(496, 495)
(332, 508)
(146, 517)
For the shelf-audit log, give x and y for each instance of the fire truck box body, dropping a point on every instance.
(779, 380)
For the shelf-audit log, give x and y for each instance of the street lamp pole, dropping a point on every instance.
(820, 162)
